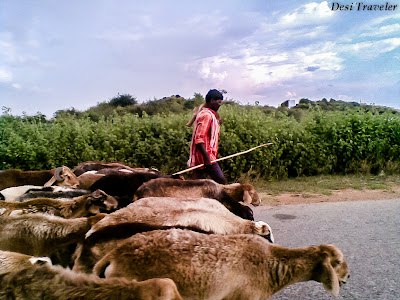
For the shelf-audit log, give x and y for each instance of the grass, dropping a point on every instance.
(325, 184)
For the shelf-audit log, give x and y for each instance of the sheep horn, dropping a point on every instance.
(58, 172)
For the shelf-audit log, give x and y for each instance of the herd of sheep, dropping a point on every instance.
(113, 231)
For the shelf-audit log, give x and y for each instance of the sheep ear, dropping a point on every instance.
(246, 197)
(111, 203)
(98, 194)
(107, 201)
(329, 277)
(50, 182)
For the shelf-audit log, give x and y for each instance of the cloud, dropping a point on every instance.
(346, 98)
(382, 19)
(307, 14)
(392, 29)
(213, 69)
(370, 49)
(5, 76)
(323, 56)
(273, 56)
(290, 95)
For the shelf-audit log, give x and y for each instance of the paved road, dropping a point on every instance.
(367, 232)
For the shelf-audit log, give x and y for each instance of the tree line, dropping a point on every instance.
(310, 139)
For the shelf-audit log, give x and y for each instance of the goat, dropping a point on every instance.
(28, 192)
(55, 282)
(83, 206)
(199, 214)
(42, 234)
(98, 165)
(16, 177)
(123, 185)
(229, 194)
(223, 266)
(13, 261)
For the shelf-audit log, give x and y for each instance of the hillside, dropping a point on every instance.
(126, 103)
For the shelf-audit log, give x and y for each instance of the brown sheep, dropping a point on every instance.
(83, 206)
(230, 195)
(87, 179)
(123, 185)
(207, 188)
(199, 214)
(16, 177)
(42, 234)
(98, 165)
(223, 266)
(57, 283)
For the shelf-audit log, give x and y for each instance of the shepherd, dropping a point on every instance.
(205, 138)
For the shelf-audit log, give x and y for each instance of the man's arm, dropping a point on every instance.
(204, 153)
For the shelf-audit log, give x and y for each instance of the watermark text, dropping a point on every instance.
(361, 6)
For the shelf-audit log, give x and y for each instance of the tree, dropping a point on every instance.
(123, 100)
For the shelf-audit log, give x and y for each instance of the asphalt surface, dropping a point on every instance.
(367, 232)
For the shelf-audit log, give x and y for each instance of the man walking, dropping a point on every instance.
(204, 146)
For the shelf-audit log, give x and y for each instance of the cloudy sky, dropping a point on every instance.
(62, 54)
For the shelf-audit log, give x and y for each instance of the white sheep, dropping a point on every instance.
(223, 266)
(28, 192)
(57, 283)
(11, 193)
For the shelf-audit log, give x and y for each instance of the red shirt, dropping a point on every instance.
(206, 130)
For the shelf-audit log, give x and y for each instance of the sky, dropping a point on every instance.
(57, 55)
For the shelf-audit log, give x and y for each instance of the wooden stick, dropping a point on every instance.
(222, 158)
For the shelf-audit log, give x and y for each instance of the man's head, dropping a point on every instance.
(214, 99)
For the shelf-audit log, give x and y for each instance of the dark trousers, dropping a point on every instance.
(214, 172)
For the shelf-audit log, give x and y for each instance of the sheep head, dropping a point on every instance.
(332, 271)
(100, 201)
(263, 229)
(63, 176)
(250, 195)
(244, 192)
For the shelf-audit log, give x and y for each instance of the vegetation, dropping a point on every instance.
(325, 184)
(311, 139)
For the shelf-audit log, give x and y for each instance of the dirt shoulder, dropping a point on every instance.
(336, 196)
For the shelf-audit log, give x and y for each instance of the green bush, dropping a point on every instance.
(318, 142)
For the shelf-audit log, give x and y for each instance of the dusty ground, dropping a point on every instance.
(336, 195)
